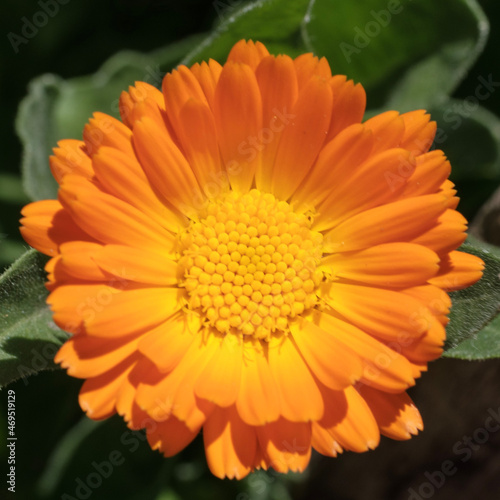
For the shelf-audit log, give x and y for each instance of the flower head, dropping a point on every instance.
(241, 253)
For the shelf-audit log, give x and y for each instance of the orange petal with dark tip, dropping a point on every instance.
(396, 415)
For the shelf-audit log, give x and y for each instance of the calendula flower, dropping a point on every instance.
(242, 254)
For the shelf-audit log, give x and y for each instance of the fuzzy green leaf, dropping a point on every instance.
(473, 331)
(29, 338)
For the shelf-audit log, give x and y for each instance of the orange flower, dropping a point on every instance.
(241, 254)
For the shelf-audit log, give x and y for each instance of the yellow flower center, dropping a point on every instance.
(250, 264)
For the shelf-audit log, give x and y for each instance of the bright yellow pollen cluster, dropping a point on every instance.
(250, 264)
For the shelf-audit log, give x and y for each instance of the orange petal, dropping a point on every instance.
(238, 118)
(388, 129)
(388, 265)
(458, 270)
(383, 313)
(196, 130)
(123, 177)
(166, 167)
(392, 222)
(445, 236)
(339, 157)
(170, 437)
(110, 220)
(279, 89)
(46, 226)
(432, 170)
(174, 394)
(332, 362)
(219, 382)
(351, 423)
(349, 102)
(396, 415)
(383, 367)
(368, 186)
(137, 264)
(300, 399)
(104, 130)
(230, 444)
(435, 299)
(179, 87)
(427, 347)
(308, 66)
(70, 157)
(258, 399)
(286, 445)
(98, 394)
(88, 357)
(249, 53)
(112, 313)
(167, 344)
(419, 131)
(323, 442)
(141, 100)
(77, 261)
(302, 139)
(208, 75)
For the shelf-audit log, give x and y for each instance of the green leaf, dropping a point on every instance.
(276, 23)
(29, 338)
(406, 54)
(484, 345)
(38, 133)
(474, 314)
(469, 135)
(56, 109)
